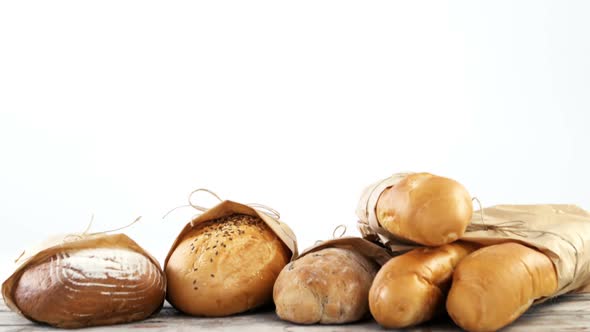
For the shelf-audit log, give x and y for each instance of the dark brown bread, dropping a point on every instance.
(88, 287)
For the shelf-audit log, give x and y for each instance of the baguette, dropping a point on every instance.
(426, 209)
(411, 288)
(495, 285)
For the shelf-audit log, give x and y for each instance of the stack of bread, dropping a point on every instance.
(485, 277)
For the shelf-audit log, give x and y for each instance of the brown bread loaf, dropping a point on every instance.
(104, 280)
(225, 266)
(411, 288)
(425, 209)
(493, 286)
(329, 286)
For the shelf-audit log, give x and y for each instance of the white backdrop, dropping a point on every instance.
(122, 108)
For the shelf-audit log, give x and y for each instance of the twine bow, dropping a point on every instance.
(85, 233)
(340, 227)
(515, 227)
(258, 207)
(80, 236)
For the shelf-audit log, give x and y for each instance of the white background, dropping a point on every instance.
(122, 108)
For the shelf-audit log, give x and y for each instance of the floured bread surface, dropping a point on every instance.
(328, 286)
(89, 287)
(225, 266)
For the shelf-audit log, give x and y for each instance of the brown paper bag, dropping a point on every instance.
(227, 208)
(562, 232)
(60, 243)
(371, 251)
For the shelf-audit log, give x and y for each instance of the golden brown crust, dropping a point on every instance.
(495, 285)
(329, 286)
(225, 266)
(90, 287)
(411, 288)
(426, 209)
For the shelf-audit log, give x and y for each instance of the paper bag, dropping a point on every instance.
(562, 232)
(226, 208)
(369, 250)
(368, 223)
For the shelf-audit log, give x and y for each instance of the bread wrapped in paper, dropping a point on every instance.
(497, 284)
(415, 208)
(560, 231)
(329, 282)
(227, 259)
(74, 281)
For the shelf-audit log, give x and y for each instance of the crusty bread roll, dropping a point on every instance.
(426, 209)
(329, 286)
(495, 285)
(225, 266)
(411, 288)
(88, 287)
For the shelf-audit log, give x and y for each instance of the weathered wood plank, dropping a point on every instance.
(568, 313)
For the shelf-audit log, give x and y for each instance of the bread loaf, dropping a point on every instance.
(495, 285)
(411, 288)
(225, 266)
(328, 286)
(425, 209)
(81, 287)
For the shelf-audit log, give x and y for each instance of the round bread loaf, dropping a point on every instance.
(329, 286)
(89, 287)
(225, 266)
(425, 209)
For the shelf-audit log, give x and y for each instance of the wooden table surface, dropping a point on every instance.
(567, 313)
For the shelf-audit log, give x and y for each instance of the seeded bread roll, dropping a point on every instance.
(89, 287)
(329, 286)
(411, 288)
(425, 209)
(495, 285)
(225, 266)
